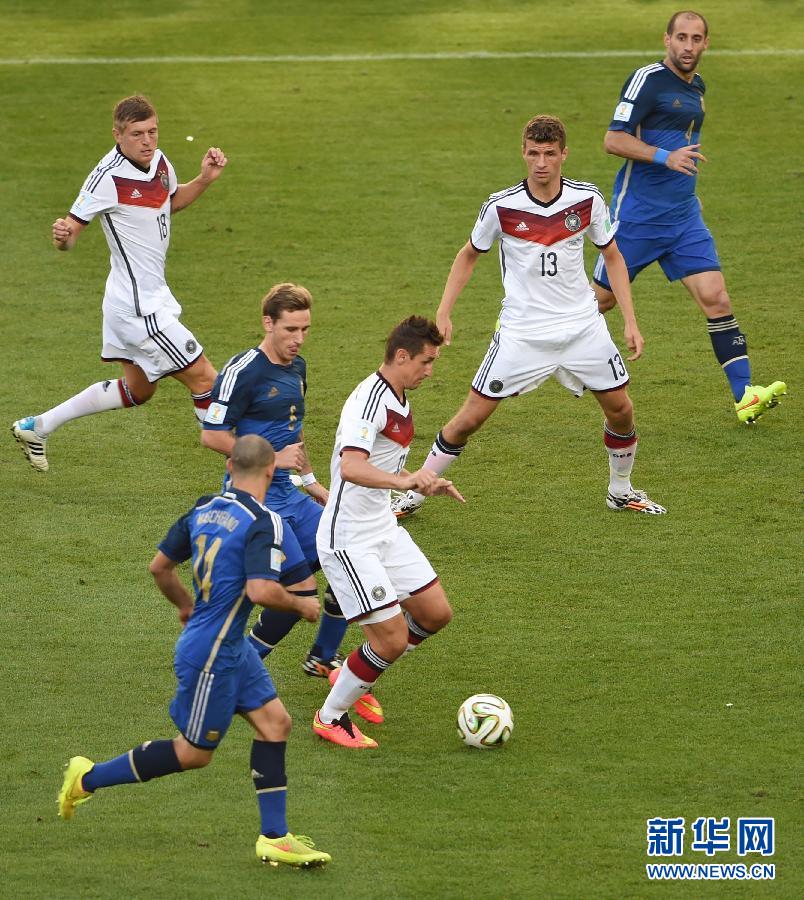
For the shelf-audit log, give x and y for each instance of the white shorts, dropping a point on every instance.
(370, 580)
(158, 343)
(578, 359)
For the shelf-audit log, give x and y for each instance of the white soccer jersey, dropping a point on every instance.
(134, 206)
(377, 422)
(541, 253)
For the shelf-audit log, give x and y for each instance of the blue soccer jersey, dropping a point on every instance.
(252, 395)
(231, 538)
(664, 111)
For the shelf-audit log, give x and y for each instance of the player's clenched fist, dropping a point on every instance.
(62, 231)
(212, 164)
(291, 457)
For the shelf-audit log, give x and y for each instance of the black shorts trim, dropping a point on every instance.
(617, 387)
(697, 272)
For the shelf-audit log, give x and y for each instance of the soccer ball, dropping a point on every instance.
(485, 720)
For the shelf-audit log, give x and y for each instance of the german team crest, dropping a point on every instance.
(572, 222)
(378, 593)
(163, 177)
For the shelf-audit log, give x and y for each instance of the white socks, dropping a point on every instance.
(98, 397)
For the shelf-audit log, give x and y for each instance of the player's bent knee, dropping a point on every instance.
(717, 305)
(391, 646)
(437, 618)
(277, 729)
(191, 757)
(272, 722)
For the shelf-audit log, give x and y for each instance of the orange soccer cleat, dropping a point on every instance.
(343, 732)
(367, 706)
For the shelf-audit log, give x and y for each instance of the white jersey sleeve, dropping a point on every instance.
(487, 227)
(601, 228)
(360, 425)
(98, 195)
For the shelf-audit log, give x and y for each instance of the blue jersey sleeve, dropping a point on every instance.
(263, 554)
(177, 544)
(637, 99)
(231, 394)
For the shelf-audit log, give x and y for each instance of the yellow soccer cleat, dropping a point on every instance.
(72, 794)
(757, 400)
(292, 850)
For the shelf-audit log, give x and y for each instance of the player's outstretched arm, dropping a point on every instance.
(65, 232)
(271, 594)
(163, 568)
(431, 485)
(212, 165)
(356, 468)
(458, 278)
(620, 143)
(620, 285)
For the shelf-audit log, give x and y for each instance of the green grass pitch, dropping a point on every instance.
(653, 664)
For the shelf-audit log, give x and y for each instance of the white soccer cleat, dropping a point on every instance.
(635, 500)
(32, 444)
(404, 503)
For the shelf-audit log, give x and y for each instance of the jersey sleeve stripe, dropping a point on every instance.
(638, 80)
(377, 390)
(520, 186)
(94, 179)
(231, 373)
(585, 186)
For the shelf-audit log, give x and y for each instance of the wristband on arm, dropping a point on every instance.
(660, 156)
(308, 479)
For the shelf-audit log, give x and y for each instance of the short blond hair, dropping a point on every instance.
(286, 297)
(132, 109)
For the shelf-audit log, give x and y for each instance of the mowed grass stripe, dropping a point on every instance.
(379, 57)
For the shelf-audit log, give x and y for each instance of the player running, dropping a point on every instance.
(134, 190)
(262, 391)
(238, 548)
(549, 324)
(383, 580)
(657, 130)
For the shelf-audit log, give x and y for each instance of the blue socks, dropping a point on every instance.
(731, 351)
(273, 625)
(270, 628)
(270, 783)
(153, 759)
(331, 628)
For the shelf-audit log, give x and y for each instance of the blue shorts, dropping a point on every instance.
(681, 249)
(303, 514)
(295, 565)
(206, 702)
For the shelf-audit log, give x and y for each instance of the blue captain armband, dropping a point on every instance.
(660, 156)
